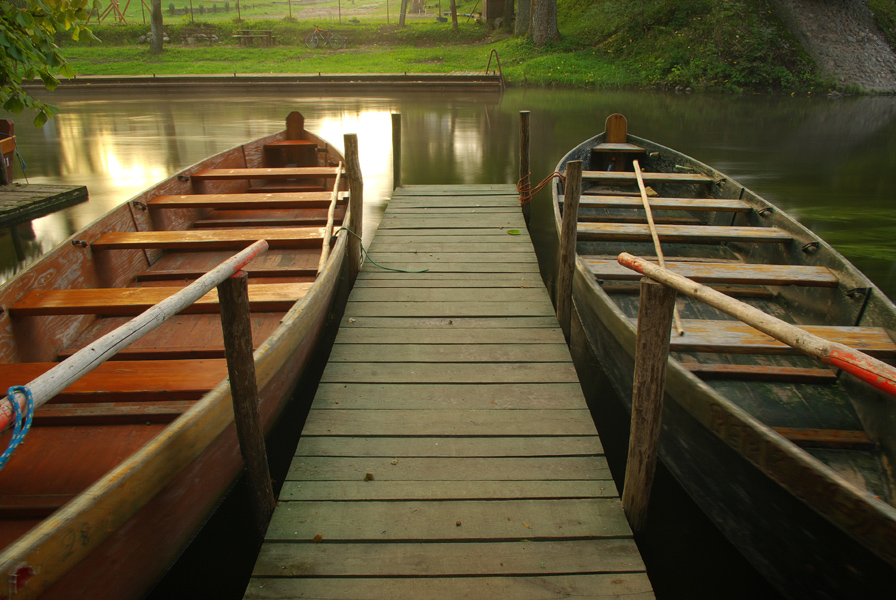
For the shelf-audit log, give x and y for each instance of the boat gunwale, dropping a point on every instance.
(730, 422)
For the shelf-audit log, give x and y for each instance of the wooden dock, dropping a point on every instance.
(24, 202)
(449, 452)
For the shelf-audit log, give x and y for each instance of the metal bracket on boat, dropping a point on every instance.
(811, 247)
(80, 243)
(139, 205)
(856, 293)
(183, 178)
(767, 211)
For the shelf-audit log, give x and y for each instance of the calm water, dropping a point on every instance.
(830, 163)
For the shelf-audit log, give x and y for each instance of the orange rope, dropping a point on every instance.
(527, 192)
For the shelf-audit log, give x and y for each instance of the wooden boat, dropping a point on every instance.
(791, 460)
(121, 469)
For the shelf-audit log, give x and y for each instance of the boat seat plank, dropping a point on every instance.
(260, 222)
(693, 234)
(290, 143)
(727, 272)
(139, 380)
(827, 438)
(735, 337)
(291, 237)
(628, 178)
(634, 202)
(256, 201)
(110, 413)
(619, 147)
(131, 301)
(307, 275)
(761, 373)
(265, 173)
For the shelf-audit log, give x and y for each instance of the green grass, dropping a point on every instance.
(726, 45)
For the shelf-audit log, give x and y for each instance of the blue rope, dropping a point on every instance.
(364, 253)
(22, 424)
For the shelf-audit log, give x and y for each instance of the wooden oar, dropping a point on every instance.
(867, 368)
(656, 239)
(328, 232)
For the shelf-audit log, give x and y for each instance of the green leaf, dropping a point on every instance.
(40, 119)
(14, 105)
(513, 231)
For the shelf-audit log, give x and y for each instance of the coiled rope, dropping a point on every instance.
(527, 192)
(364, 254)
(23, 422)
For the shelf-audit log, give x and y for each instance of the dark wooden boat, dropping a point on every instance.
(121, 469)
(791, 460)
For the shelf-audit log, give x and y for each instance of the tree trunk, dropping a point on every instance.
(544, 22)
(523, 17)
(156, 27)
(404, 11)
(454, 16)
(508, 15)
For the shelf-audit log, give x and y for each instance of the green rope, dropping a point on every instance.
(364, 253)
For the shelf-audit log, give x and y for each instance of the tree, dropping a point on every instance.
(155, 45)
(28, 49)
(454, 16)
(544, 22)
(523, 20)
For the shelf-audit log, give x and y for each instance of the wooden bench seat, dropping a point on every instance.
(634, 202)
(142, 380)
(296, 237)
(623, 147)
(734, 337)
(132, 301)
(690, 234)
(254, 201)
(260, 222)
(761, 373)
(265, 173)
(290, 144)
(261, 272)
(628, 178)
(110, 413)
(725, 272)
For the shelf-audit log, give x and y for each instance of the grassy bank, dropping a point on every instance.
(728, 45)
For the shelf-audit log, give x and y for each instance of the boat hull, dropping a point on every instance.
(804, 528)
(117, 537)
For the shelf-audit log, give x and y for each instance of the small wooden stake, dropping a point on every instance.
(567, 269)
(651, 356)
(356, 203)
(525, 167)
(233, 295)
(396, 150)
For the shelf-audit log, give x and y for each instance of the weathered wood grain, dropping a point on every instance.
(727, 272)
(443, 491)
(634, 202)
(448, 560)
(422, 447)
(392, 423)
(454, 310)
(352, 319)
(294, 237)
(417, 520)
(388, 335)
(458, 372)
(692, 234)
(634, 586)
(449, 353)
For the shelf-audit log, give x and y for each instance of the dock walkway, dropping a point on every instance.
(449, 452)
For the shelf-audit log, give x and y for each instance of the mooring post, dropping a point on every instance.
(567, 271)
(233, 296)
(525, 169)
(356, 203)
(651, 356)
(396, 150)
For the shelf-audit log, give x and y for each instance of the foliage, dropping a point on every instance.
(885, 17)
(28, 49)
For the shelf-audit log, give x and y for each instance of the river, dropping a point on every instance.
(831, 163)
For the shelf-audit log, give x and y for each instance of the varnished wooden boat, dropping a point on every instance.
(791, 460)
(121, 469)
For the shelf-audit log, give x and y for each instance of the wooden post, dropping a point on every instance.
(356, 203)
(651, 356)
(567, 270)
(524, 163)
(396, 150)
(233, 295)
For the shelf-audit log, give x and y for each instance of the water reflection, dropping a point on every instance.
(831, 163)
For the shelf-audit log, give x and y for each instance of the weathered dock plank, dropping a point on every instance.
(449, 452)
